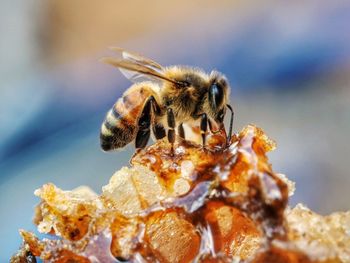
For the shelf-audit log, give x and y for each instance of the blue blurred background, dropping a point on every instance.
(288, 63)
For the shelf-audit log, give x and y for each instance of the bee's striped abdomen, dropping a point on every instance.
(119, 127)
(116, 132)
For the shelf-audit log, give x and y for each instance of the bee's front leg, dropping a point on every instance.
(231, 123)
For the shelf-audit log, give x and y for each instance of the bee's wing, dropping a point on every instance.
(133, 57)
(137, 68)
(133, 71)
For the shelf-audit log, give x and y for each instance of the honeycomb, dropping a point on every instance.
(219, 203)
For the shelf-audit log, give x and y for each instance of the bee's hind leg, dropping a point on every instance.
(158, 131)
(145, 121)
(181, 131)
(144, 124)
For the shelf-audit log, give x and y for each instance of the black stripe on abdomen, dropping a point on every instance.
(116, 136)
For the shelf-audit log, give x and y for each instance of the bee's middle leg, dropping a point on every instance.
(204, 127)
(157, 128)
(171, 126)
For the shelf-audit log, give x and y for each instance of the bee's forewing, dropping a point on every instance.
(127, 55)
(133, 76)
(136, 71)
(133, 71)
(137, 68)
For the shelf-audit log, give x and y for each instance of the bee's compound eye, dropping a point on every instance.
(216, 95)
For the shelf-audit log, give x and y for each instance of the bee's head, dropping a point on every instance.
(200, 92)
(218, 96)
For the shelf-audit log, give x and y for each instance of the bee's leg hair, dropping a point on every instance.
(144, 124)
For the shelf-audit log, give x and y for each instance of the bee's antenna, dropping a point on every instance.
(231, 123)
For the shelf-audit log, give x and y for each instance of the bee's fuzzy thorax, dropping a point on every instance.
(178, 71)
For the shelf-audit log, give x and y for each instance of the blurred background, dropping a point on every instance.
(288, 63)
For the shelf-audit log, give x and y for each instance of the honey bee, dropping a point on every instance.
(163, 98)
